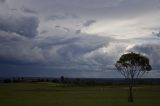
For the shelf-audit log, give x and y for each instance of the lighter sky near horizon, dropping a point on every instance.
(76, 38)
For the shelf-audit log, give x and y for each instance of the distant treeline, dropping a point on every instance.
(81, 81)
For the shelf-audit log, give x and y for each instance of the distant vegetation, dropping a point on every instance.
(81, 81)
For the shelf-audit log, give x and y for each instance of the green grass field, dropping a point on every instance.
(50, 94)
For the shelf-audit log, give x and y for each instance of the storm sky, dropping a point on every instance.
(76, 38)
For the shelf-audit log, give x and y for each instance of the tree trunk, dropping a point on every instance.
(130, 93)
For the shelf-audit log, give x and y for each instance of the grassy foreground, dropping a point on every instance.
(49, 94)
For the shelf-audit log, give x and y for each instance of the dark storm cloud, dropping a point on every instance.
(89, 22)
(69, 50)
(55, 50)
(18, 49)
(22, 25)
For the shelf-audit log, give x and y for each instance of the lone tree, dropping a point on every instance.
(132, 66)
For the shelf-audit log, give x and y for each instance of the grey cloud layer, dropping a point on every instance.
(22, 25)
(61, 43)
(54, 51)
(93, 8)
(18, 49)
(15, 45)
(58, 50)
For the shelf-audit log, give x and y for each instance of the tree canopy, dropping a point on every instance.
(133, 65)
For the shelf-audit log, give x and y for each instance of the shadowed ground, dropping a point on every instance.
(50, 94)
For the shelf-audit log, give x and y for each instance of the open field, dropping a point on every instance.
(50, 94)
